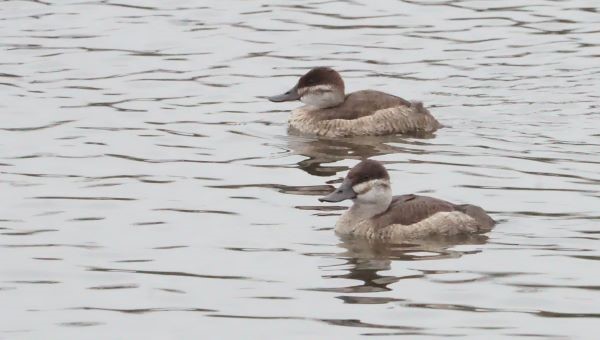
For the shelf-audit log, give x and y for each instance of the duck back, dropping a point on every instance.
(360, 104)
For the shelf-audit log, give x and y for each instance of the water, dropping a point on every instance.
(149, 190)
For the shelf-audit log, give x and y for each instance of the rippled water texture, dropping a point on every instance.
(149, 190)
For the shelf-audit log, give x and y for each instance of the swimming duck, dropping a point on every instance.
(377, 215)
(330, 113)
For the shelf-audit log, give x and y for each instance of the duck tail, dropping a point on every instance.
(478, 214)
(418, 106)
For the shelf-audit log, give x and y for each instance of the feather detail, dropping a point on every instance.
(394, 120)
(444, 224)
(413, 217)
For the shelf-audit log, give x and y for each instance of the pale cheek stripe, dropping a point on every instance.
(316, 88)
(360, 192)
(366, 186)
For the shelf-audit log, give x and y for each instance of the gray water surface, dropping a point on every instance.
(149, 190)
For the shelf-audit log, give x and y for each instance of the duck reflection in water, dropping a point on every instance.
(320, 151)
(364, 259)
(379, 228)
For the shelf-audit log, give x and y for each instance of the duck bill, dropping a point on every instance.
(289, 96)
(344, 192)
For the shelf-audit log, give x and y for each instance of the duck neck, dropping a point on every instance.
(362, 211)
(369, 204)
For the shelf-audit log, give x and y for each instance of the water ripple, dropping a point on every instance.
(139, 134)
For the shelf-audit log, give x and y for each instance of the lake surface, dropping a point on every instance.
(149, 190)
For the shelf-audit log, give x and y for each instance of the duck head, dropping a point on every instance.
(321, 87)
(367, 184)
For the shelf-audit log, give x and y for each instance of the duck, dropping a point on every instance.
(377, 215)
(329, 112)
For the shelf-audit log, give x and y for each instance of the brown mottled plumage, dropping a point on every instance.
(330, 113)
(360, 104)
(410, 209)
(394, 120)
(377, 215)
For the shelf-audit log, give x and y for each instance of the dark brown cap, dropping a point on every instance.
(367, 170)
(321, 76)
